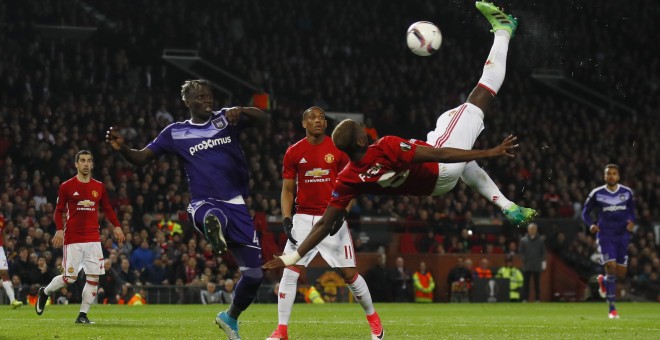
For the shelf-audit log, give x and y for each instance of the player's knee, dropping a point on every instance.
(348, 274)
(69, 279)
(253, 276)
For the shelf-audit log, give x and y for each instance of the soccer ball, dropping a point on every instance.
(423, 38)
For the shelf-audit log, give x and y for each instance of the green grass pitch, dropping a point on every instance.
(342, 321)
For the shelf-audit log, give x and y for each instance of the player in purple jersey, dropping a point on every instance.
(615, 222)
(209, 149)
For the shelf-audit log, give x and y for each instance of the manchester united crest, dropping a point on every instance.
(70, 270)
(329, 158)
(95, 193)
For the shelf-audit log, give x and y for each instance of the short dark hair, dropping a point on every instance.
(611, 166)
(309, 110)
(345, 134)
(192, 85)
(83, 152)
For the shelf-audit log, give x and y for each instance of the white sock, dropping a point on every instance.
(476, 178)
(9, 289)
(495, 68)
(361, 293)
(287, 295)
(56, 284)
(89, 293)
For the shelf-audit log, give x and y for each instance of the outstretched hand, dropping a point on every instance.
(114, 138)
(505, 148)
(275, 263)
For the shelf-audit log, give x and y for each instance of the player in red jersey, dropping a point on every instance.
(312, 165)
(396, 166)
(77, 221)
(4, 268)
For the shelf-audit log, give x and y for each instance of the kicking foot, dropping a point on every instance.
(280, 333)
(497, 18)
(213, 230)
(518, 215)
(377, 331)
(84, 319)
(229, 325)
(601, 286)
(42, 298)
(15, 304)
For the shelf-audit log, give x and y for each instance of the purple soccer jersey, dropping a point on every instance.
(211, 155)
(615, 209)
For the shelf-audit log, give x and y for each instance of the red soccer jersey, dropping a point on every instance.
(79, 202)
(315, 167)
(386, 169)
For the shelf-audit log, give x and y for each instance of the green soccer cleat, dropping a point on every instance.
(518, 215)
(15, 304)
(497, 18)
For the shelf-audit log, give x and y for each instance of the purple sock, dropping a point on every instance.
(610, 287)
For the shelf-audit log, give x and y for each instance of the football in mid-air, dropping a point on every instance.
(423, 38)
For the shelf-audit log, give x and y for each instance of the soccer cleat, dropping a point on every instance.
(613, 315)
(15, 304)
(214, 234)
(518, 215)
(280, 333)
(42, 298)
(601, 286)
(377, 331)
(229, 325)
(497, 18)
(84, 319)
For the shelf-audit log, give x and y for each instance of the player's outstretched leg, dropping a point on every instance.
(477, 178)
(213, 231)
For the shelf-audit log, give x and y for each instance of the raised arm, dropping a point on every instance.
(320, 230)
(453, 155)
(254, 114)
(135, 157)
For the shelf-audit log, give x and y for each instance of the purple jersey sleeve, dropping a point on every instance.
(589, 206)
(162, 143)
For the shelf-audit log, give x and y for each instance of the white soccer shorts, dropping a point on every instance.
(456, 128)
(87, 256)
(3, 259)
(336, 250)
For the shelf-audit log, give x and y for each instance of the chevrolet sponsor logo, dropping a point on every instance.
(86, 203)
(317, 172)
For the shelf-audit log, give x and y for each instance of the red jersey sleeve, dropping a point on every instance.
(342, 195)
(108, 210)
(61, 207)
(288, 165)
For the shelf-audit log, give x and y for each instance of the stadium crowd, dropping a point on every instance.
(59, 96)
